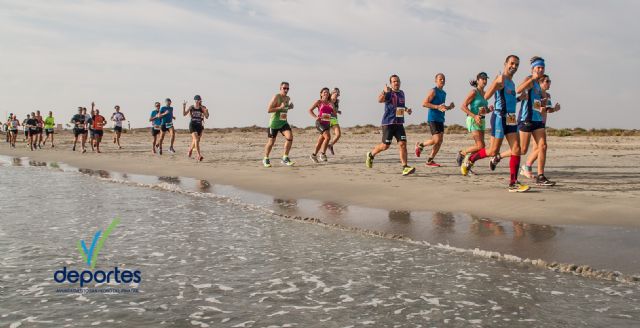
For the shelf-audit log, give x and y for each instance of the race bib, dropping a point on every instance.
(326, 117)
(400, 111)
(511, 119)
(537, 105)
(283, 116)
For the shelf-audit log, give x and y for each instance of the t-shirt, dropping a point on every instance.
(32, 122)
(78, 120)
(279, 118)
(156, 121)
(49, 123)
(168, 118)
(394, 108)
(435, 115)
(118, 118)
(98, 122)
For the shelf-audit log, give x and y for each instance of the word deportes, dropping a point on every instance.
(99, 276)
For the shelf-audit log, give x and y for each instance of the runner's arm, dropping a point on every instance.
(314, 106)
(525, 85)
(427, 101)
(495, 86)
(273, 105)
(205, 111)
(467, 101)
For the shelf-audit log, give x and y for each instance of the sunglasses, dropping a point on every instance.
(285, 88)
(546, 81)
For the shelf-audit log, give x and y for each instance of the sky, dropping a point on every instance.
(58, 55)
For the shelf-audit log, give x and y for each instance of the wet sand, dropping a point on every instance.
(598, 182)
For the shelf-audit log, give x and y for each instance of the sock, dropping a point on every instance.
(480, 154)
(430, 159)
(528, 167)
(421, 145)
(514, 163)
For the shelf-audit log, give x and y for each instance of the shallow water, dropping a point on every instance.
(214, 261)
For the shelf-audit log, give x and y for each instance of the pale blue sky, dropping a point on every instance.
(58, 55)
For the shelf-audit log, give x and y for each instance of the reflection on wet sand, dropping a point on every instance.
(485, 227)
(535, 232)
(100, 173)
(290, 206)
(334, 209)
(171, 180)
(204, 186)
(443, 222)
(37, 163)
(16, 161)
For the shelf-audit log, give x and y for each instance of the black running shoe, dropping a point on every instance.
(459, 158)
(494, 162)
(541, 180)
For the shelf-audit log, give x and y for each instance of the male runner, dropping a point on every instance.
(279, 107)
(503, 123)
(392, 124)
(166, 112)
(78, 121)
(49, 124)
(156, 128)
(117, 117)
(98, 122)
(39, 129)
(435, 103)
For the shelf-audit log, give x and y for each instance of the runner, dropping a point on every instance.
(323, 123)
(14, 123)
(475, 106)
(31, 127)
(392, 124)
(39, 129)
(198, 113)
(89, 125)
(335, 94)
(49, 124)
(156, 128)
(435, 103)
(117, 117)
(167, 123)
(78, 121)
(279, 106)
(26, 130)
(539, 148)
(97, 123)
(503, 123)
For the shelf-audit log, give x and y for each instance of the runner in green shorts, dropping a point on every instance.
(476, 107)
(335, 126)
(279, 107)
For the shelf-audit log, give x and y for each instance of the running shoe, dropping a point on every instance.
(466, 166)
(408, 170)
(266, 162)
(418, 149)
(323, 157)
(432, 164)
(494, 162)
(526, 172)
(518, 187)
(84, 150)
(369, 160)
(160, 150)
(286, 161)
(541, 180)
(459, 158)
(200, 158)
(171, 150)
(314, 158)
(330, 147)
(74, 148)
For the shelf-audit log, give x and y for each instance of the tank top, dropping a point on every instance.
(530, 109)
(279, 118)
(435, 115)
(478, 102)
(196, 115)
(505, 99)
(394, 108)
(324, 111)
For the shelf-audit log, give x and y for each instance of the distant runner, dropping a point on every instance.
(49, 124)
(198, 113)
(156, 128)
(167, 123)
(323, 123)
(98, 122)
(335, 125)
(39, 129)
(392, 124)
(117, 117)
(78, 121)
(435, 103)
(32, 127)
(14, 123)
(279, 107)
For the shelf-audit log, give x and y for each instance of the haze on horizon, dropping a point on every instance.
(58, 55)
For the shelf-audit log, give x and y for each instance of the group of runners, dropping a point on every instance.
(518, 128)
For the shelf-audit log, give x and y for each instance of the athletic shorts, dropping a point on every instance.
(472, 126)
(97, 133)
(530, 126)
(393, 131)
(155, 132)
(48, 131)
(499, 127)
(272, 133)
(196, 128)
(14, 131)
(333, 122)
(166, 127)
(33, 131)
(117, 129)
(26, 132)
(322, 126)
(436, 127)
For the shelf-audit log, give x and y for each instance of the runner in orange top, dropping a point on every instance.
(97, 125)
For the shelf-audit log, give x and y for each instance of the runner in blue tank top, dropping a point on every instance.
(392, 124)
(503, 123)
(435, 103)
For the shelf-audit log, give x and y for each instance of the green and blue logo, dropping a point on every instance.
(90, 257)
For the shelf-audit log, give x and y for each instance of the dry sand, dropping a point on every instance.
(598, 179)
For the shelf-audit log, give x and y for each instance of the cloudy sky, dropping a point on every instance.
(58, 55)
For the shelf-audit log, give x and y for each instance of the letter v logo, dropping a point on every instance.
(90, 255)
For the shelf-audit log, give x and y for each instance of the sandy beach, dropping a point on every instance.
(598, 182)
